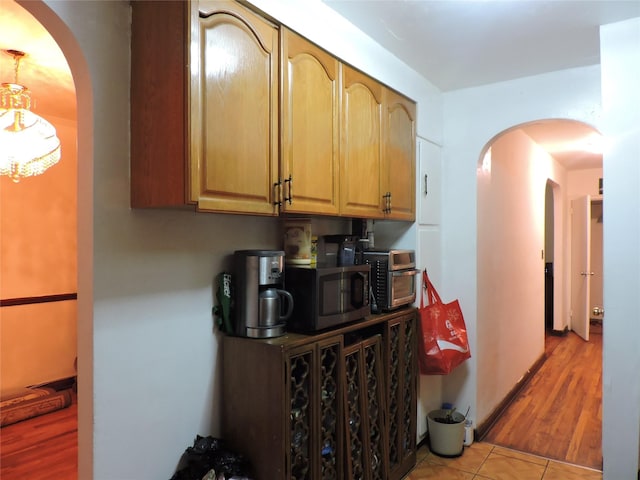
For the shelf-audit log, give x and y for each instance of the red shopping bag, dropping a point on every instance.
(443, 343)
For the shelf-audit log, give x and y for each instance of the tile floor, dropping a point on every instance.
(489, 462)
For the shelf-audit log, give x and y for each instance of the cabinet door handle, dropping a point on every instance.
(426, 185)
(387, 203)
(289, 180)
(276, 193)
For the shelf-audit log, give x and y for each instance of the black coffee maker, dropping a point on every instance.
(262, 306)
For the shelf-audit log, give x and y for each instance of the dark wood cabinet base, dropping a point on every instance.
(328, 405)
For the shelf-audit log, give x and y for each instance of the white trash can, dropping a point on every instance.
(446, 439)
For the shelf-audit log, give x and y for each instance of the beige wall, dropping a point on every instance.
(511, 222)
(38, 344)
(581, 183)
(38, 235)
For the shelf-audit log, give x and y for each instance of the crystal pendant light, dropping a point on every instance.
(28, 143)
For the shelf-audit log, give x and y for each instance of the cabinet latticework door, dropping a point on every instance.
(330, 407)
(409, 406)
(366, 431)
(301, 415)
(400, 346)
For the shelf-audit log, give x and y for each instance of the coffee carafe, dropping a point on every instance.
(262, 305)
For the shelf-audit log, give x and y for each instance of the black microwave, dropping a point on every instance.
(325, 297)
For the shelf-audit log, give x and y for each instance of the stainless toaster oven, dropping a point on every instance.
(393, 277)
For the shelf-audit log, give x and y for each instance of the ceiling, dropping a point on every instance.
(466, 43)
(43, 69)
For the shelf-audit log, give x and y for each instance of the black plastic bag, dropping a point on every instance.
(209, 453)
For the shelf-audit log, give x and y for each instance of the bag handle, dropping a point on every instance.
(432, 293)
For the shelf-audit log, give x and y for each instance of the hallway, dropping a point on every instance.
(558, 414)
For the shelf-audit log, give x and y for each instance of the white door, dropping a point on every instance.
(580, 265)
(429, 182)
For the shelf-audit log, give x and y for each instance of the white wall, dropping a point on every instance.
(145, 277)
(511, 221)
(472, 117)
(312, 20)
(620, 57)
(148, 353)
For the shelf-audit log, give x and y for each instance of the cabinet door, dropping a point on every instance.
(361, 192)
(234, 109)
(314, 399)
(310, 120)
(429, 182)
(330, 375)
(400, 355)
(301, 391)
(366, 432)
(399, 164)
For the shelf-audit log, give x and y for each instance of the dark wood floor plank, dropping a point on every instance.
(558, 414)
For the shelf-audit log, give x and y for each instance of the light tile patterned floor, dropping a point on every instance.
(485, 461)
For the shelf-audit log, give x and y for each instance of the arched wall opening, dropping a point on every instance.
(601, 95)
(514, 173)
(77, 62)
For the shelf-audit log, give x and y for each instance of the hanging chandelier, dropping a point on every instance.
(28, 143)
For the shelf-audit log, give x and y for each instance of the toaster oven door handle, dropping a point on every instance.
(402, 273)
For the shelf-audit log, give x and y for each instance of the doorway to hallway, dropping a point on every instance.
(518, 268)
(558, 414)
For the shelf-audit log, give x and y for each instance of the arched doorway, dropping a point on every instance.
(45, 16)
(524, 171)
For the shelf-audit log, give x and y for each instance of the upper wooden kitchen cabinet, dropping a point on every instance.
(361, 193)
(227, 110)
(310, 116)
(378, 158)
(399, 160)
(233, 113)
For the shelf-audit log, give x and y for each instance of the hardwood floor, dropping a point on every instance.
(558, 415)
(44, 447)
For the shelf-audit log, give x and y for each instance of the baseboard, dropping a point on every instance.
(57, 385)
(483, 428)
(559, 333)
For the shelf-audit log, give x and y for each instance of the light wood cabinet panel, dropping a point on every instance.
(399, 163)
(204, 107)
(310, 127)
(234, 110)
(360, 149)
(231, 113)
